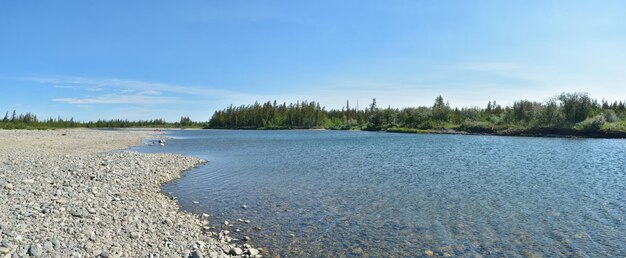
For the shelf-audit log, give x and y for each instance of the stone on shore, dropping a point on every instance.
(72, 196)
(235, 251)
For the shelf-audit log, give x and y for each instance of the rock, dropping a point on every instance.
(91, 210)
(429, 253)
(252, 251)
(244, 206)
(204, 215)
(5, 250)
(77, 213)
(8, 186)
(246, 238)
(235, 251)
(226, 223)
(28, 181)
(197, 254)
(292, 235)
(247, 221)
(104, 254)
(48, 246)
(195, 202)
(135, 235)
(56, 243)
(35, 250)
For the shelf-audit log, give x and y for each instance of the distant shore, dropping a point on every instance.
(535, 132)
(67, 193)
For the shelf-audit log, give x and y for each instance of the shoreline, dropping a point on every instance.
(82, 193)
(539, 132)
(536, 132)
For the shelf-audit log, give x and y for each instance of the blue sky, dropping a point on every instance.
(164, 59)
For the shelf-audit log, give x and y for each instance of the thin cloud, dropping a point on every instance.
(118, 99)
(123, 91)
(490, 67)
(128, 86)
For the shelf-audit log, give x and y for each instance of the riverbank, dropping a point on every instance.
(532, 132)
(68, 193)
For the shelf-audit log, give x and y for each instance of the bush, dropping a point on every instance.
(615, 126)
(475, 126)
(610, 116)
(592, 123)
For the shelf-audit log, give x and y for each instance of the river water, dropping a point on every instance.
(369, 194)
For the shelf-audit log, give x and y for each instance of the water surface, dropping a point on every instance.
(337, 193)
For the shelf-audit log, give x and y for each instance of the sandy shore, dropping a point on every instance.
(66, 193)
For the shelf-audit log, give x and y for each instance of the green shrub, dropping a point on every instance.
(615, 126)
(610, 116)
(592, 123)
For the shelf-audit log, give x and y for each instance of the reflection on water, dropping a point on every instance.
(321, 193)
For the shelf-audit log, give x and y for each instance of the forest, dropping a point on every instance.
(30, 121)
(567, 113)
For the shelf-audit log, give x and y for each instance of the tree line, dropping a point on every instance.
(30, 121)
(572, 111)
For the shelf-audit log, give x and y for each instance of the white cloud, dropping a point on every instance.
(118, 99)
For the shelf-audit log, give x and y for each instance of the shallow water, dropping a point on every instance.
(404, 195)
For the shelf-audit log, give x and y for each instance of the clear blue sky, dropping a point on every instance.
(164, 59)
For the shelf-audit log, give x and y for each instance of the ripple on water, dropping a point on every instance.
(365, 194)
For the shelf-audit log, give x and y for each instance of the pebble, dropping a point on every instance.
(48, 246)
(4, 250)
(75, 197)
(56, 243)
(247, 221)
(429, 253)
(244, 206)
(197, 254)
(135, 235)
(252, 251)
(35, 250)
(235, 251)
(246, 238)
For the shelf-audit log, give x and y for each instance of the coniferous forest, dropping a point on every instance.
(565, 114)
(30, 121)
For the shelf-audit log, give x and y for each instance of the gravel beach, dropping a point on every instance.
(71, 193)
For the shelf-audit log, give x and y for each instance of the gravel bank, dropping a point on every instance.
(65, 193)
